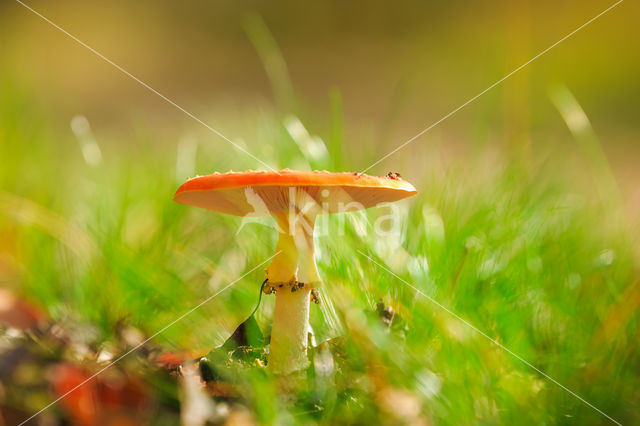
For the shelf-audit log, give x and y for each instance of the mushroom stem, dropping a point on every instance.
(295, 254)
(288, 347)
(293, 274)
(285, 263)
(307, 269)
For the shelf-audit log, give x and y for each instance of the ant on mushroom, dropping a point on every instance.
(295, 286)
(315, 296)
(394, 175)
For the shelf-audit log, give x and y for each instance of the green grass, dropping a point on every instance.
(521, 250)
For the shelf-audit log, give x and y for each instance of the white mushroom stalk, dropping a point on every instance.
(292, 275)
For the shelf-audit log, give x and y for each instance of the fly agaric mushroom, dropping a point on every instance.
(294, 198)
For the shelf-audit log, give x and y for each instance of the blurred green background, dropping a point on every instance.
(526, 222)
(420, 60)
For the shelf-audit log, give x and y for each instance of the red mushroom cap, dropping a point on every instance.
(265, 193)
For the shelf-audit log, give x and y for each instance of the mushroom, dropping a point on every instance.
(294, 198)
